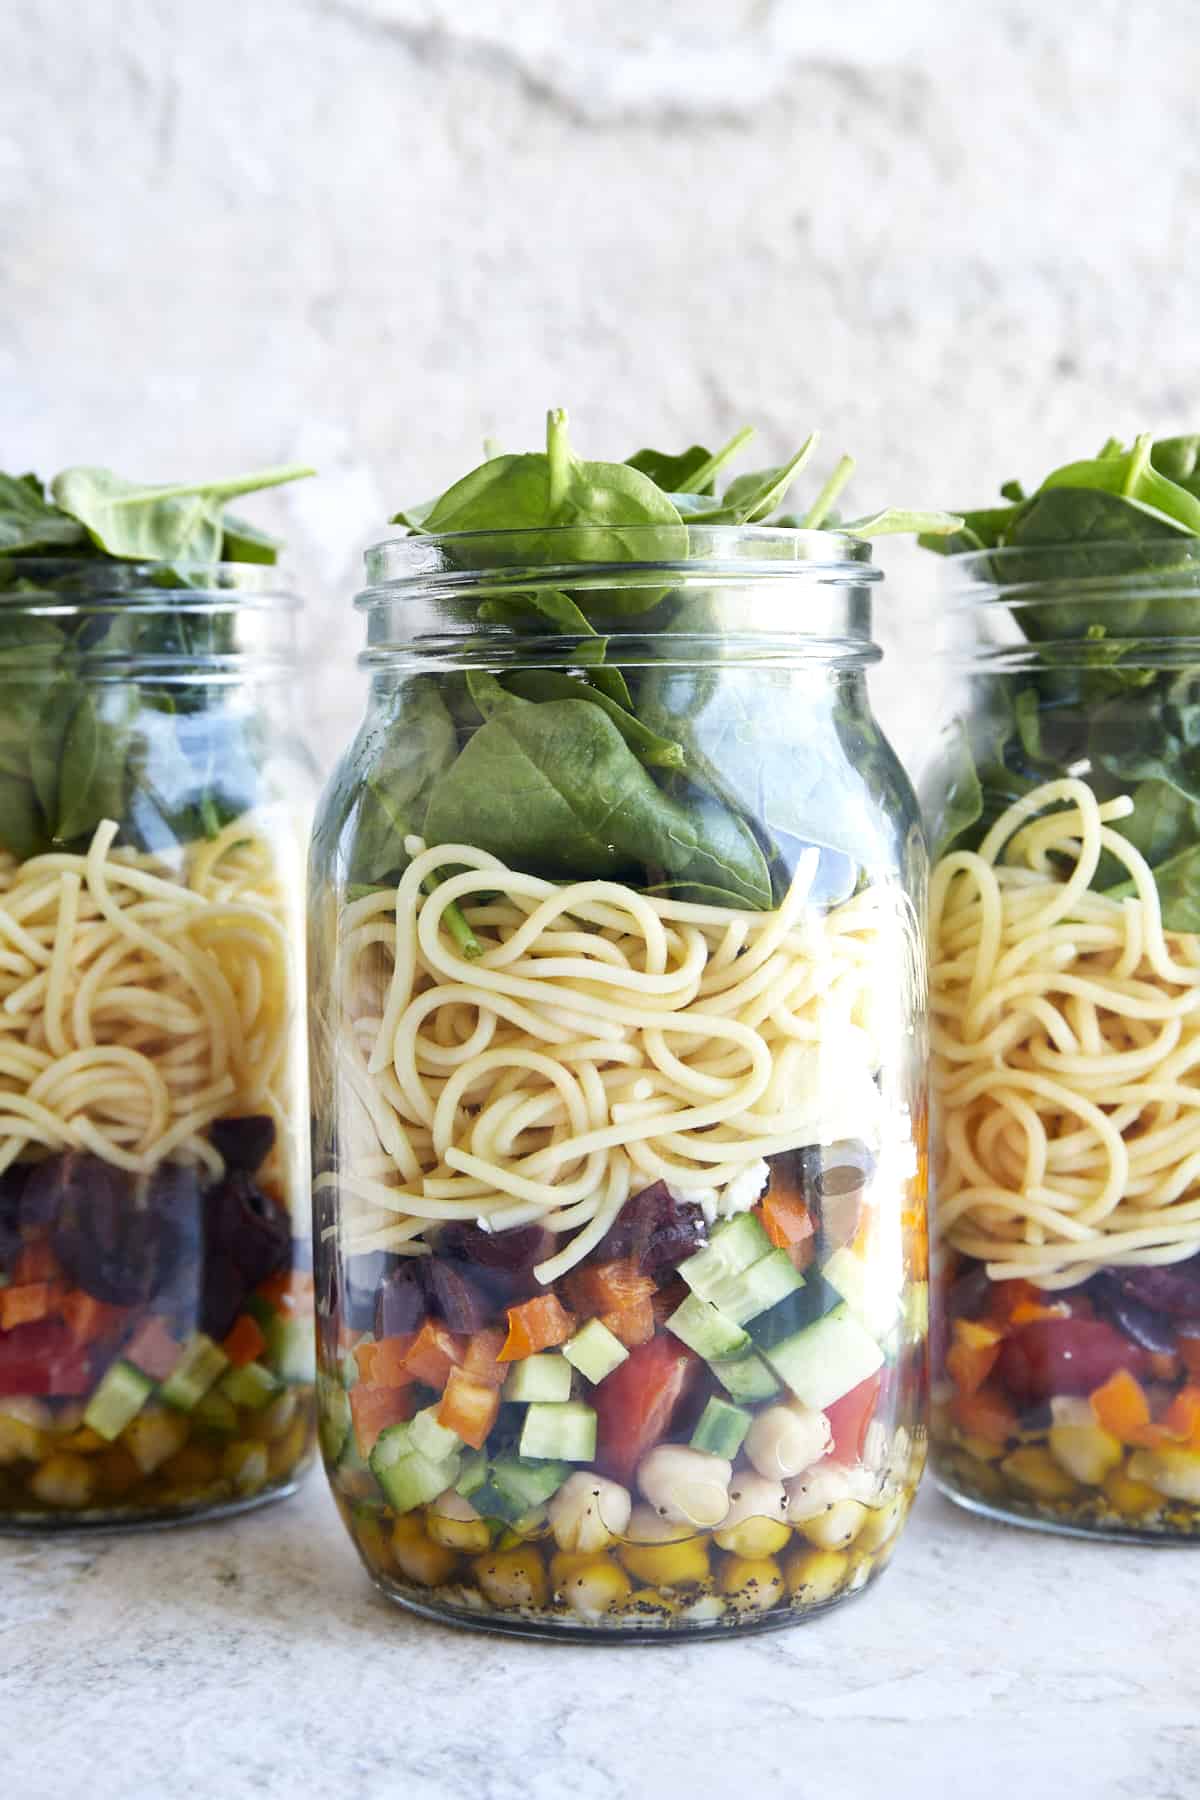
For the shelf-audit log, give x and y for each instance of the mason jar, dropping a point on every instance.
(616, 992)
(1065, 958)
(156, 1356)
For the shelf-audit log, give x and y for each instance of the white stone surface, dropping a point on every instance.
(961, 238)
(252, 1660)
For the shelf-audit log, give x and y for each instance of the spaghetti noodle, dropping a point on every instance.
(1066, 1043)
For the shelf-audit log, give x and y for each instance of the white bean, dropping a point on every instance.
(685, 1485)
(755, 1524)
(588, 1512)
(817, 1489)
(785, 1439)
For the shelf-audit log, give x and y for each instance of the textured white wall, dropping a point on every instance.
(960, 236)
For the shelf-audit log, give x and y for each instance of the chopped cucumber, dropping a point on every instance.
(565, 1431)
(745, 1377)
(876, 1302)
(735, 1245)
(410, 1479)
(292, 1347)
(791, 1314)
(216, 1412)
(595, 1352)
(118, 1399)
(348, 1367)
(826, 1359)
(430, 1439)
(699, 1325)
(335, 1418)
(196, 1371)
(538, 1378)
(250, 1386)
(721, 1428)
(474, 1473)
(526, 1484)
(745, 1293)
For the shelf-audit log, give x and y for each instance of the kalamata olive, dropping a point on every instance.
(247, 1238)
(12, 1182)
(501, 1262)
(1139, 1322)
(969, 1293)
(654, 1229)
(245, 1143)
(400, 1301)
(46, 1183)
(453, 1297)
(1174, 1290)
(1063, 1356)
(111, 1237)
(223, 1294)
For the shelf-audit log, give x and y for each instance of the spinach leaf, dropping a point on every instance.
(416, 745)
(692, 473)
(555, 787)
(93, 779)
(652, 751)
(243, 542)
(29, 524)
(752, 498)
(167, 522)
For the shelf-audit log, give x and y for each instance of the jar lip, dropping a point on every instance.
(411, 558)
(995, 572)
(70, 580)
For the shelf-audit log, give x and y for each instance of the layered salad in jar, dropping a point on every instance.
(1065, 946)
(155, 1306)
(619, 1197)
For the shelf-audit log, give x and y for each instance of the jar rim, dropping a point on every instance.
(994, 573)
(201, 585)
(412, 558)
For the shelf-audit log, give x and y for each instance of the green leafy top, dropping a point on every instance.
(92, 512)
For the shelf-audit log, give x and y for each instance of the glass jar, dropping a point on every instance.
(1065, 946)
(616, 1001)
(156, 1356)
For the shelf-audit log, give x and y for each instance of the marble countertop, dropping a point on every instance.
(251, 1659)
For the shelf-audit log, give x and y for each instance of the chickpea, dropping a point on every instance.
(821, 1487)
(836, 1527)
(785, 1439)
(588, 1512)
(751, 1584)
(417, 1556)
(663, 1554)
(514, 1578)
(594, 1586)
(453, 1521)
(816, 1575)
(686, 1486)
(755, 1524)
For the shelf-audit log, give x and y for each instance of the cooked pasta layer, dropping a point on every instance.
(1066, 1044)
(136, 1007)
(603, 1040)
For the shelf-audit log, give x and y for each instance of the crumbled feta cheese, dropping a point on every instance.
(744, 1189)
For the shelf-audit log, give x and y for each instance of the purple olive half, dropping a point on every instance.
(117, 1237)
(243, 1144)
(654, 1229)
(500, 1262)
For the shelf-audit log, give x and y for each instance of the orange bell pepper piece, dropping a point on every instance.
(972, 1355)
(245, 1342)
(633, 1324)
(26, 1303)
(1121, 1407)
(373, 1409)
(986, 1414)
(482, 1359)
(431, 1356)
(607, 1287)
(382, 1364)
(1179, 1425)
(1025, 1312)
(789, 1225)
(536, 1325)
(469, 1407)
(90, 1318)
(1189, 1353)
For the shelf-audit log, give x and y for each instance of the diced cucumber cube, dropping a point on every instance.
(430, 1439)
(474, 1473)
(721, 1428)
(794, 1312)
(867, 1291)
(216, 1412)
(333, 1411)
(595, 1351)
(699, 1325)
(746, 1293)
(538, 1378)
(565, 1432)
(250, 1386)
(826, 1359)
(201, 1364)
(519, 1486)
(745, 1377)
(734, 1246)
(118, 1399)
(413, 1480)
(292, 1347)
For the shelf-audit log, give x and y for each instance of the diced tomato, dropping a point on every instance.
(986, 1414)
(635, 1404)
(632, 1325)
(849, 1418)
(1063, 1356)
(373, 1409)
(27, 1302)
(535, 1325)
(245, 1343)
(92, 1320)
(43, 1359)
(482, 1358)
(469, 1407)
(789, 1225)
(601, 1288)
(152, 1349)
(432, 1354)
